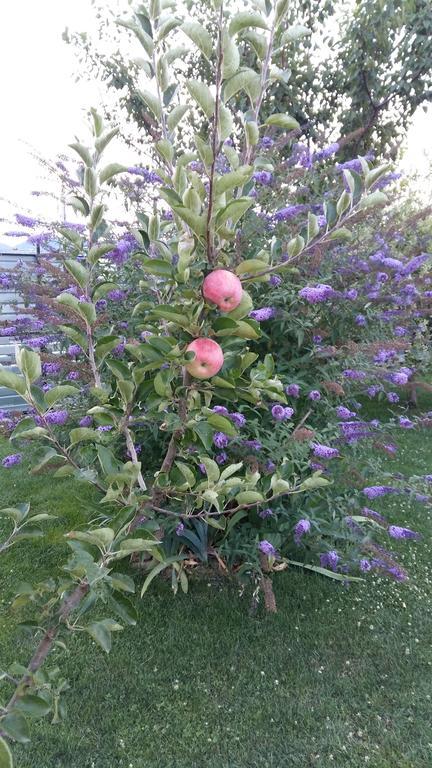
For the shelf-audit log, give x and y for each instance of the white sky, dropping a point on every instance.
(43, 105)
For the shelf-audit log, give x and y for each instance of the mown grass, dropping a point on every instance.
(338, 677)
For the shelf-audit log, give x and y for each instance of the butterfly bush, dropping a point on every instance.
(244, 466)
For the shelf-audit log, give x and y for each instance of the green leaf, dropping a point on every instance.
(197, 223)
(123, 582)
(97, 251)
(29, 363)
(226, 122)
(313, 482)
(245, 79)
(233, 179)
(91, 187)
(127, 546)
(33, 705)
(111, 170)
(6, 760)
(103, 140)
(72, 333)
(176, 115)
(233, 211)
(151, 101)
(12, 381)
(231, 470)
(167, 26)
(296, 32)
(312, 226)
(58, 393)
(283, 121)
(79, 204)
(249, 497)
(250, 267)
(222, 424)
(156, 570)
(15, 725)
(373, 200)
(246, 19)
(280, 11)
(100, 634)
(343, 203)
(125, 608)
(201, 93)
(83, 152)
(141, 34)
(18, 513)
(78, 271)
(205, 151)
(199, 35)
(204, 432)
(48, 455)
(325, 572)
(340, 234)
(231, 56)
(81, 434)
(187, 473)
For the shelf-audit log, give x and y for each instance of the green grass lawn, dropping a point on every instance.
(339, 677)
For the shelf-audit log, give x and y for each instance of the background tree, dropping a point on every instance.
(357, 70)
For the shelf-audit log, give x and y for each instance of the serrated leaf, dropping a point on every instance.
(12, 381)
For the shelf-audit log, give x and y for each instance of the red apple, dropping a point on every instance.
(208, 358)
(223, 288)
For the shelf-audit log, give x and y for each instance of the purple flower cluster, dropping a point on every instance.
(58, 418)
(267, 548)
(292, 390)
(220, 439)
(324, 451)
(11, 460)
(260, 315)
(317, 293)
(300, 529)
(329, 560)
(397, 532)
(281, 413)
